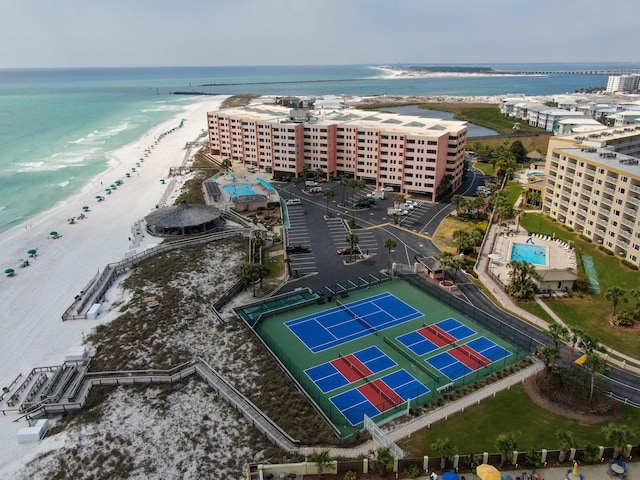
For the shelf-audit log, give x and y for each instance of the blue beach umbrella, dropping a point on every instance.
(450, 476)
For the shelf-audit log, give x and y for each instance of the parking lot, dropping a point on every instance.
(324, 236)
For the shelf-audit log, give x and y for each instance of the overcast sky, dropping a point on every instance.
(84, 33)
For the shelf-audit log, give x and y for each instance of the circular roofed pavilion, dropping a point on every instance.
(184, 219)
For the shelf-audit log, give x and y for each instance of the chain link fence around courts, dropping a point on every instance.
(437, 383)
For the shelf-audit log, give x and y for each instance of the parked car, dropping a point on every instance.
(388, 189)
(298, 249)
(363, 203)
(310, 183)
(315, 190)
(346, 251)
(376, 195)
(294, 201)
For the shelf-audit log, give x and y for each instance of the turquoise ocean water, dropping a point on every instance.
(56, 125)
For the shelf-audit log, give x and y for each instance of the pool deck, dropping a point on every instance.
(559, 256)
(240, 175)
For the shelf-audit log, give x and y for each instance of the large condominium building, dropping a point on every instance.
(623, 83)
(593, 186)
(411, 154)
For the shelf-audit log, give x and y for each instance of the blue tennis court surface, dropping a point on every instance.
(353, 404)
(327, 377)
(343, 324)
(455, 369)
(420, 345)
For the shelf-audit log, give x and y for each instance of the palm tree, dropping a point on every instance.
(635, 293)
(319, 173)
(289, 260)
(566, 442)
(597, 366)
(549, 355)
(559, 333)
(506, 444)
(296, 181)
(249, 271)
(352, 240)
(523, 275)
(322, 459)
(328, 194)
(619, 435)
(389, 244)
(444, 448)
(446, 262)
(344, 183)
(614, 294)
(226, 164)
(306, 168)
(399, 198)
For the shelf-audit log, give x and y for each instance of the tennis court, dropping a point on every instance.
(347, 322)
(467, 358)
(342, 371)
(378, 396)
(438, 335)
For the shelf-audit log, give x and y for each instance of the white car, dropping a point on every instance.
(294, 201)
(388, 189)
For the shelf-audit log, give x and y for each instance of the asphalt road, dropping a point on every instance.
(322, 268)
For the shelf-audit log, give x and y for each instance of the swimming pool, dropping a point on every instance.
(534, 254)
(535, 174)
(239, 189)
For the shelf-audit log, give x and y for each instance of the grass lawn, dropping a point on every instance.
(485, 168)
(590, 311)
(475, 430)
(484, 114)
(533, 308)
(443, 237)
(514, 190)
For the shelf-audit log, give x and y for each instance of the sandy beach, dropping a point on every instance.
(35, 297)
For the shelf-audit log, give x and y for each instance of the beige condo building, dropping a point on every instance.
(593, 186)
(411, 154)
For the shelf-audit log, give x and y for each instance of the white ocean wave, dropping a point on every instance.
(64, 184)
(99, 136)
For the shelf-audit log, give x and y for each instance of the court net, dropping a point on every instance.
(473, 356)
(356, 317)
(444, 336)
(384, 395)
(353, 367)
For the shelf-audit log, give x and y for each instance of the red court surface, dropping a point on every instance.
(352, 368)
(469, 357)
(380, 395)
(437, 335)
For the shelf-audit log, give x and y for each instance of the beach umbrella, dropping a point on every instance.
(98, 197)
(32, 252)
(450, 476)
(119, 182)
(85, 208)
(488, 472)
(113, 185)
(9, 272)
(162, 180)
(137, 164)
(133, 169)
(127, 174)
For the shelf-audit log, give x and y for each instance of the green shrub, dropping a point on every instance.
(585, 238)
(351, 475)
(622, 319)
(605, 250)
(627, 263)
(411, 471)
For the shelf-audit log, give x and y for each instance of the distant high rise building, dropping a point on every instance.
(623, 83)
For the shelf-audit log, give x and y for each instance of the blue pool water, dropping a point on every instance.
(536, 174)
(239, 189)
(266, 184)
(534, 254)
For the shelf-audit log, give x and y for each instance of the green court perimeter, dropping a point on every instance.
(296, 357)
